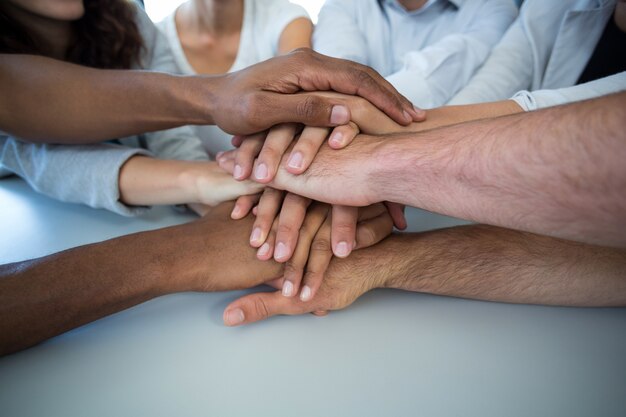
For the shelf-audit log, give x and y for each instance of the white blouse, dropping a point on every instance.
(263, 23)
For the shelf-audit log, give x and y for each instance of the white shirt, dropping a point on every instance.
(547, 48)
(427, 54)
(263, 23)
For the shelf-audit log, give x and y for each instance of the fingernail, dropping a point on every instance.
(263, 250)
(287, 289)
(305, 295)
(238, 171)
(342, 249)
(339, 115)
(420, 112)
(295, 160)
(234, 317)
(218, 155)
(407, 116)
(281, 251)
(256, 235)
(235, 212)
(336, 139)
(261, 171)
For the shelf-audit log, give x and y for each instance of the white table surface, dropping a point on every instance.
(390, 354)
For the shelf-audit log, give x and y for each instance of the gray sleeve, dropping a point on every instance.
(87, 174)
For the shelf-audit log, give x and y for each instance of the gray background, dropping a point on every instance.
(390, 354)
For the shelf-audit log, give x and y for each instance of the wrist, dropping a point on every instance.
(392, 163)
(401, 268)
(193, 98)
(174, 251)
(197, 99)
(187, 180)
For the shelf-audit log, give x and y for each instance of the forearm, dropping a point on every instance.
(558, 171)
(44, 297)
(147, 181)
(48, 296)
(101, 104)
(495, 264)
(450, 115)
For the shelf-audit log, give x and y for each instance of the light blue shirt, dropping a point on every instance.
(543, 54)
(428, 54)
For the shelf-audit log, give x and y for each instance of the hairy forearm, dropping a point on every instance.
(558, 171)
(496, 264)
(75, 104)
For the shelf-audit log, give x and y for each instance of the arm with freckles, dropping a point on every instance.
(477, 262)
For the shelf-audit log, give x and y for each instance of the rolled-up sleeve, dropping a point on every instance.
(540, 99)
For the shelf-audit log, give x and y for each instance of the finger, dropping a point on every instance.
(276, 143)
(342, 136)
(226, 161)
(306, 148)
(243, 205)
(266, 250)
(350, 78)
(277, 283)
(268, 207)
(396, 211)
(244, 157)
(319, 258)
(294, 268)
(370, 232)
(367, 83)
(344, 219)
(290, 221)
(260, 306)
(237, 140)
(371, 211)
(308, 109)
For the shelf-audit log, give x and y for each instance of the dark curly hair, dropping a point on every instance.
(106, 36)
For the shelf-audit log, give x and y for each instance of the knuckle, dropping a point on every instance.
(368, 236)
(321, 245)
(260, 308)
(286, 229)
(269, 152)
(362, 76)
(344, 228)
(293, 271)
(308, 107)
(313, 278)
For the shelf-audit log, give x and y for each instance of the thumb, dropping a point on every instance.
(310, 110)
(260, 306)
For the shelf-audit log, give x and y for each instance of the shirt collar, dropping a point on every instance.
(396, 5)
